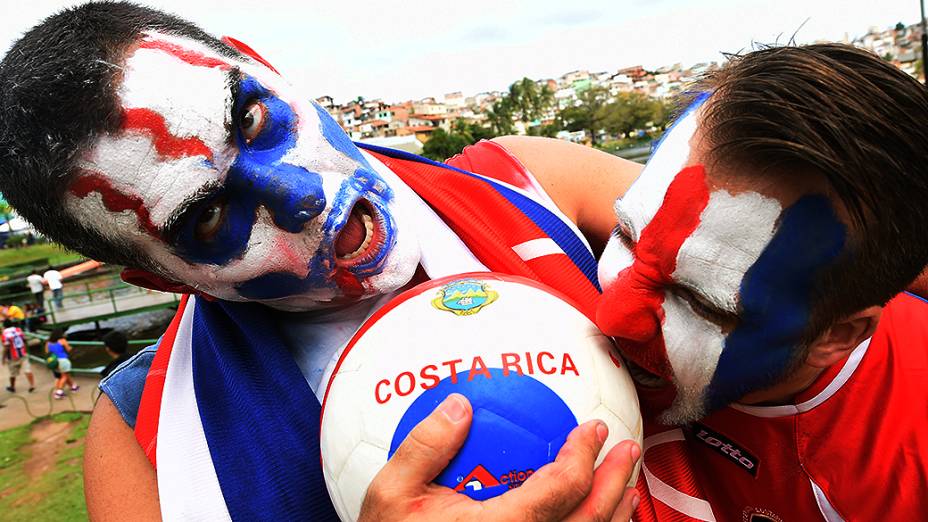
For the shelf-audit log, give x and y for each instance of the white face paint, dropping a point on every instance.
(236, 186)
(675, 272)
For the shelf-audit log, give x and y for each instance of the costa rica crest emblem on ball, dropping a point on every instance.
(464, 297)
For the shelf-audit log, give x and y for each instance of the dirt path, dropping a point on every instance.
(49, 438)
(15, 413)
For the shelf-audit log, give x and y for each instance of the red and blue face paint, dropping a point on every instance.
(712, 290)
(234, 183)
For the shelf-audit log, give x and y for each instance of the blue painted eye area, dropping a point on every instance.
(264, 122)
(215, 231)
(254, 116)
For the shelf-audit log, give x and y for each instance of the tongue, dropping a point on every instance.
(352, 235)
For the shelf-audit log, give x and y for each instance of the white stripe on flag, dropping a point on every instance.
(537, 248)
(187, 482)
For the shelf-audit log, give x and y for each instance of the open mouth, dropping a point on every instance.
(361, 238)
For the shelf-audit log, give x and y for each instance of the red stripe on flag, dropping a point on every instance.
(146, 424)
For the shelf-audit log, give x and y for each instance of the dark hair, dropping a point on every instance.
(7, 323)
(56, 334)
(116, 341)
(840, 113)
(57, 95)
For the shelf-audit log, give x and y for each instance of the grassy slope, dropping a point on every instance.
(57, 254)
(58, 494)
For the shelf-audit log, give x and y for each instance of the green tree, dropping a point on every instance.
(442, 145)
(500, 116)
(629, 112)
(589, 114)
(528, 101)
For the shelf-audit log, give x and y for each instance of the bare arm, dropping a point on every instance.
(119, 482)
(67, 346)
(582, 181)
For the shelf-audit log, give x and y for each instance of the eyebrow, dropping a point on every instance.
(234, 82)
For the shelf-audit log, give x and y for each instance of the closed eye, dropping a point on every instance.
(727, 321)
(623, 234)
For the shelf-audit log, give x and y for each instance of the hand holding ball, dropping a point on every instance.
(531, 365)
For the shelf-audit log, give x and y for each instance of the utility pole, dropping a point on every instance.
(924, 45)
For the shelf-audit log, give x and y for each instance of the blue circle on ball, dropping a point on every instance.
(519, 425)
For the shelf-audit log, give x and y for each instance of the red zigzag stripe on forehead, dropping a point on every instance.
(167, 144)
(113, 199)
(190, 56)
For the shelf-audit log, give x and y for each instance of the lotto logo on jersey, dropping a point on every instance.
(531, 365)
(726, 447)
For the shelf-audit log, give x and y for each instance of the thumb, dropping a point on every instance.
(431, 444)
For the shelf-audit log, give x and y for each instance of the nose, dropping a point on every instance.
(630, 308)
(293, 194)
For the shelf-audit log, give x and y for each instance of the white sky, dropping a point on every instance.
(399, 50)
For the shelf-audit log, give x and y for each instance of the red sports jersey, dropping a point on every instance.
(854, 446)
(15, 342)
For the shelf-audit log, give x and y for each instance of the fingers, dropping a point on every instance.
(609, 499)
(627, 506)
(557, 488)
(430, 445)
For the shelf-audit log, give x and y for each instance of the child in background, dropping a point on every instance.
(58, 345)
(116, 346)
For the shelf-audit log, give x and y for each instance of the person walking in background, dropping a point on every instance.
(15, 355)
(37, 287)
(58, 346)
(53, 280)
(116, 346)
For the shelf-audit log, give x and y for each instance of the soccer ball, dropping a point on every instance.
(532, 366)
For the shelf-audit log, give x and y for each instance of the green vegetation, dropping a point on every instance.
(625, 119)
(55, 490)
(55, 254)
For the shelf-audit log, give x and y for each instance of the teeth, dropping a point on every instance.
(368, 237)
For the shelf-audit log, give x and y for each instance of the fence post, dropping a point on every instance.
(112, 300)
(87, 289)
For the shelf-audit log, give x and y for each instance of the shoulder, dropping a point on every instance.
(124, 385)
(584, 182)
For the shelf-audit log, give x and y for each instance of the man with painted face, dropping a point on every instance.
(137, 139)
(754, 282)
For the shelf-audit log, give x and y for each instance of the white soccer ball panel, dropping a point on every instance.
(360, 469)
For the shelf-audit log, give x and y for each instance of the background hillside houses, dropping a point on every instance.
(540, 110)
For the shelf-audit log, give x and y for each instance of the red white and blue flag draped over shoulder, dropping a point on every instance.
(227, 417)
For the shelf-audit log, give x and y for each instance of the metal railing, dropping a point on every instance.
(75, 302)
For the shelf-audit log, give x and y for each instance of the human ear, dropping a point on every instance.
(840, 338)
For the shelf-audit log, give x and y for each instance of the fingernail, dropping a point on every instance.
(601, 431)
(635, 501)
(635, 452)
(453, 408)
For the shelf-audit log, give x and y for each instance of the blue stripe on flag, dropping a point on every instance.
(259, 415)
